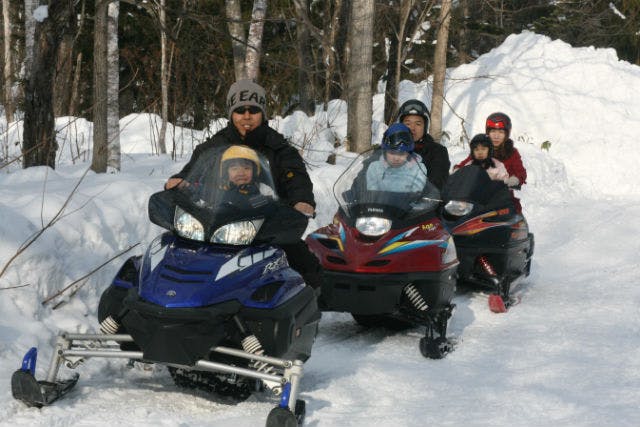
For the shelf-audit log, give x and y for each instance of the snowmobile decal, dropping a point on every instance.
(478, 224)
(397, 245)
(402, 246)
(338, 239)
(242, 261)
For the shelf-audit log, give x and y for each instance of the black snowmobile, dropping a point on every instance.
(493, 242)
(213, 299)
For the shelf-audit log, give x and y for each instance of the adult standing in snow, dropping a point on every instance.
(415, 115)
(498, 128)
(248, 125)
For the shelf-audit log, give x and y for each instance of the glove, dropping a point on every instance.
(512, 181)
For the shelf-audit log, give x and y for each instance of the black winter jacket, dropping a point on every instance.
(436, 158)
(287, 167)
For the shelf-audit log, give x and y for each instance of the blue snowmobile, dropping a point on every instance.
(213, 298)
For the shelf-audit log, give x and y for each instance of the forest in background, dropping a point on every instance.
(200, 46)
(304, 52)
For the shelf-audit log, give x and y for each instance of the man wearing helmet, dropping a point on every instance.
(498, 129)
(399, 169)
(415, 115)
(248, 125)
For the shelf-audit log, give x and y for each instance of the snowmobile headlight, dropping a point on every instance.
(450, 253)
(187, 226)
(458, 207)
(237, 233)
(373, 226)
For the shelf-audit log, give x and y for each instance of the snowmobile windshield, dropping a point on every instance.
(377, 184)
(473, 184)
(225, 185)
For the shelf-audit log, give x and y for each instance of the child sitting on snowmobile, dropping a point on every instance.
(481, 154)
(398, 169)
(239, 172)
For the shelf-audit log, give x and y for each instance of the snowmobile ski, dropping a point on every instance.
(32, 392)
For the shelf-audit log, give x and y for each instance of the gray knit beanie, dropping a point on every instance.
(246, 93)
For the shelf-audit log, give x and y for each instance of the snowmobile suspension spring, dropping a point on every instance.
(251, 344)
(416, 299)
(484, 262)
(109, 326)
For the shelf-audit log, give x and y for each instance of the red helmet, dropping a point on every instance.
(498, 121)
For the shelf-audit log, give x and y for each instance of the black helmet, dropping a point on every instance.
(498, 121)
(415, 107)
(481, 139)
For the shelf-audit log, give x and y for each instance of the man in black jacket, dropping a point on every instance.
(248, 125)
(415, 115)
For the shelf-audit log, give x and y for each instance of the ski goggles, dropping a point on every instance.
(416, 109)
(399, 141)
(252, 109)
(496, 124)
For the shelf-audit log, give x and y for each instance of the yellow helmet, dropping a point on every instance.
(240, 152)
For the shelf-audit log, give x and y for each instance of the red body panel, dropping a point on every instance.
(418, 248)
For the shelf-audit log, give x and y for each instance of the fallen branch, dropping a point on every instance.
(63, 290)
(15, 287)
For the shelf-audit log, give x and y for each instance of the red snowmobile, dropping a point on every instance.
(493, 242)
(387, 258)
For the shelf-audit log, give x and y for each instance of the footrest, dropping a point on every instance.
(36, 393)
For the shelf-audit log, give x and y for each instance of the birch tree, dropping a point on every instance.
(29, 32)
(106, 114)
(238, 37)
(439, 71)
(359, 77)
(100, 88)
(8, 99)
(246, 55)
(113, 89)
(254, 40)
(164, 77)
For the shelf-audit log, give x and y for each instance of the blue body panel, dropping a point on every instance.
(175, 273)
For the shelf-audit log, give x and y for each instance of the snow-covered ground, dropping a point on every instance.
(568, 355)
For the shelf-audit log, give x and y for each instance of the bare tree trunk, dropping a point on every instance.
(238, 39)
(62, 84)
(29, 31)
(113, 106)
(439, 71)
(100, 88)
(164, 78)
(330, 47)
(394, 64)
(305, 63)
(8, 101)
(254, 40)
(39, 147)
(463, 47)
(359, 93)
(74, 101)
